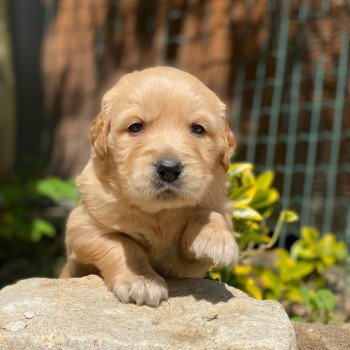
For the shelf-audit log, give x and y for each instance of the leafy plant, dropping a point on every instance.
(22, 204)
(58, 190)
(320, 305)
(253, 200)
(277, 273)
(321, 252)
(32, 212)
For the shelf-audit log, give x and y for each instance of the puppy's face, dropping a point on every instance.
(164, 133)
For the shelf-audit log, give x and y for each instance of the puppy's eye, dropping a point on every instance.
(197, 129)
(135, 127)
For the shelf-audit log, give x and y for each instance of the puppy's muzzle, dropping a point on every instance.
(168, 170)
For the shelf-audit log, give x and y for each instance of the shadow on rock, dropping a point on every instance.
(200, 289)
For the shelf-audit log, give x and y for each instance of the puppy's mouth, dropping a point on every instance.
(167, 191)
(167, 195)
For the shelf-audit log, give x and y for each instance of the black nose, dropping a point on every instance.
(169, 169)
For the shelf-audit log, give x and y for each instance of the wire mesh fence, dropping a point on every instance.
(295, 117)
(282, 67)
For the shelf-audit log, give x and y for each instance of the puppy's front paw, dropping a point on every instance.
(148, 290)
(220, 249)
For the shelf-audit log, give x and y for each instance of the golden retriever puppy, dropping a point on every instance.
(154, 191)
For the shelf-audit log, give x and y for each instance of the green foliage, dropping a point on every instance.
(22, 204)
(277, 273)
(321, 252)
(253, 201)
(57, 189)
(41, 228)
(32, 213)
(320, 305)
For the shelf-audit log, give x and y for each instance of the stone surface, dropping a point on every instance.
(312, 336)
(81, 313)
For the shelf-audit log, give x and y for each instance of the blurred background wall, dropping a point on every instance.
(282, 67)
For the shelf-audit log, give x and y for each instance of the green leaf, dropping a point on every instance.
(325, 300)
(215, 275)
(242, 197)
(57, 189)
(309, 234)
(305, 294)
(290, 216)
(341, 252)
(246, 213)
(41, 228)
(296, 271)
(302, 251)
(328, 244)
(265, 198)
(241, 270)
(248, 178)
(293, 294)
(265, 180)
(271, 281)
(233, 185)
(320, 267)
(253, 289)
(238, 168)
(256, 237)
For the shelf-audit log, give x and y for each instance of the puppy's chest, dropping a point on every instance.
(161, 239)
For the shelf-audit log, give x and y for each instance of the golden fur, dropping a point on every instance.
(126, 228)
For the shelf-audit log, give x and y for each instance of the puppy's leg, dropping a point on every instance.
(66, 273)
(208, 237)
(73, 269)
(122, 263)
(127, 272)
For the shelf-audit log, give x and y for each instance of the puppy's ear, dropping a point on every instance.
(230, 145)
(98, 134)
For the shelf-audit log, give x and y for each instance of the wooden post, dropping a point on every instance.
(7, 96)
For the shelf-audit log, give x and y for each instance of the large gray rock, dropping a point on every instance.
(81, 313)
(313, 336)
